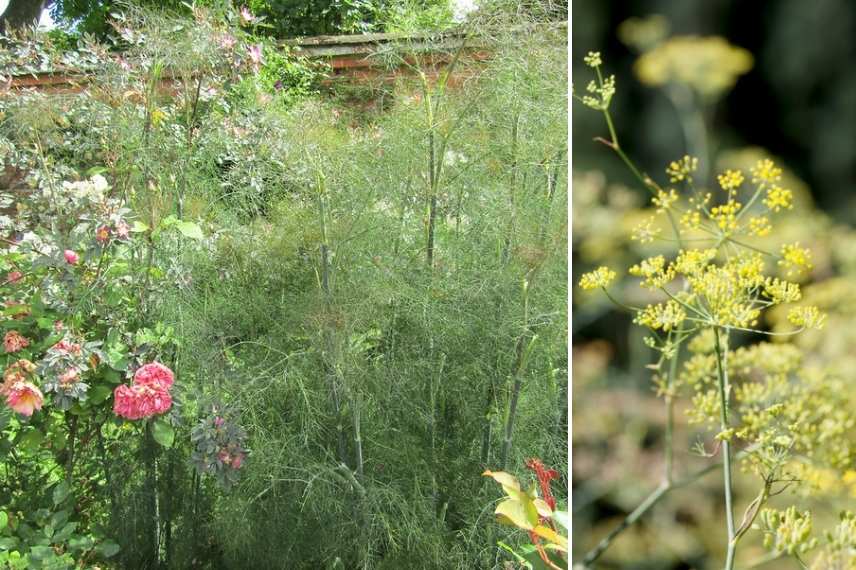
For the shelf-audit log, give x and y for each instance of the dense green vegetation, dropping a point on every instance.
(369, 307)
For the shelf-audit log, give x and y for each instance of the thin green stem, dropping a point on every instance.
(619, 303)
(724, 389)
(670, 415)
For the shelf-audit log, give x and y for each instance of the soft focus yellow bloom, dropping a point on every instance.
(708, 65)
(795, 259)
(808, 317)
(664, 200)
(691, 220)
(643, 33)
(645, 231)
(592, 59)
(600, 277)
(682, 169)
(765, 171)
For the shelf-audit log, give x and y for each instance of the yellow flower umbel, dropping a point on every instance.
(597, 279)
(795, 259)
(663, 316)
(806, 317)
(682, 169)
(710, 66)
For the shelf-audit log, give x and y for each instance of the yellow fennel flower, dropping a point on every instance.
(807, 317)
(599, 278)
(682, 169)
(654, 272)
(592, 59)
(765, 171)
(663, 316)
(778, 198)
(795, 259)
(730, 180)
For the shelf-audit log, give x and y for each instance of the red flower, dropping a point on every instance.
(544, 476)
(102, 234)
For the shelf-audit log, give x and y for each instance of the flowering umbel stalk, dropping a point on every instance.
(707, 291)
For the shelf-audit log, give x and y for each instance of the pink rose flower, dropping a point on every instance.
(140, 401)
(154, 374)
(237, 460)
(14, 276)
(24, 398)
(14, 341)
(70, 257)
(147, 396)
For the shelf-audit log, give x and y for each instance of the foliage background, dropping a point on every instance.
(797, 103)
(312, 273)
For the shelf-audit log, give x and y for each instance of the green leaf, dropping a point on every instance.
(139, 227)
(64, 533)
(163, 433)
(60, 492)
(32, 440)
(108, 548)
(99, 393)
(520, 513)
(563, 519)
(191, 230)
(4, 519)
(40, 553)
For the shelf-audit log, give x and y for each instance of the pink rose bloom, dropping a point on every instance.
(14, 276)
(218, 421)
(140, 401)
(70, 257)
(237, 460)
(24, 398)
(154, 374)
(13, 341)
